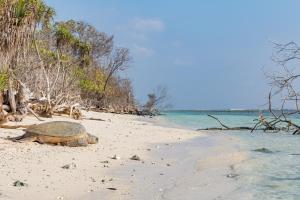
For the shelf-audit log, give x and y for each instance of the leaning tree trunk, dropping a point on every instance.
(11, 96)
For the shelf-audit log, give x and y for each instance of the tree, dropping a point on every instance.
(284, 86)
(118, 61)
(157, 101)
(18, 22)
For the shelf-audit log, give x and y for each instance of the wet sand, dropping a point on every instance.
(175, 164)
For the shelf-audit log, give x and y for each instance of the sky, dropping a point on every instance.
(210, 54)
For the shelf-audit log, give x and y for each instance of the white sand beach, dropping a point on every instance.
(175, 163)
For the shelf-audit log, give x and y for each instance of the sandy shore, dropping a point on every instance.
(175, 164)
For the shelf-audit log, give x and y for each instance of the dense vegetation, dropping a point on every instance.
(58, 63)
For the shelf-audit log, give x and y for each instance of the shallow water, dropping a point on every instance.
(274, 175)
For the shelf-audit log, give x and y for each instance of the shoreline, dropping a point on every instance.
(171, 166)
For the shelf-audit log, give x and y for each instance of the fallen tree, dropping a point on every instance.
(262, 125)
(284, 92)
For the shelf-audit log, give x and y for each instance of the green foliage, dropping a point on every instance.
(40, 12)
(3, 80)
(63, 34)
(91, 83)
(20, 9)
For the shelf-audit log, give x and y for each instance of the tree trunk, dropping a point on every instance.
(11, 96)
(22, 98)
(2, 113)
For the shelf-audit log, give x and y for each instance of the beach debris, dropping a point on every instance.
(69, 166)
(105, 161)
(263, 150)
(115, 157)
(135, 157)
(232, 175)
(60, 198)
(19, 184)
(58, 133)
(111, 188)
(93, 179)
(95, 119)
(168, 164)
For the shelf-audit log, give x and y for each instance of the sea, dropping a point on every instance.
(273, 174)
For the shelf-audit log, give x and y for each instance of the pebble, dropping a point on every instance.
(93, 179)
(112, 188)
(232, 175)
(69, 166)
(115, 157)
(135, 157)
(20, 184)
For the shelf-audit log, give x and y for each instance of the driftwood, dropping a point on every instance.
(225, 127)
(6, 126)
(34, 114)
(95, 119)
(262, 125)
(42, 109)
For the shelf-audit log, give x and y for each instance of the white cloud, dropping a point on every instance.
(143, 51)
(147, 25)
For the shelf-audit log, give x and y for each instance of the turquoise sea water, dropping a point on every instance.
(266, 176)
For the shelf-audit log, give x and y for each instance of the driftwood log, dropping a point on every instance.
(262, 125)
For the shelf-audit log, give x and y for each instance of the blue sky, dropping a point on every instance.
(211, 54)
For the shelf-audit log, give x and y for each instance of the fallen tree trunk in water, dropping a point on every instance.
(262, 122)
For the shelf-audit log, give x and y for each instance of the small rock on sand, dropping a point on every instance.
(115, 157)
(135, 157)
(69, 166)
(232, 175)
(112, 188)
(20, 184)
